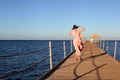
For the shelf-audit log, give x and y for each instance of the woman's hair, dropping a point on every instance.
(75, 27)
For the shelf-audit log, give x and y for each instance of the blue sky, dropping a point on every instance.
(52, 19)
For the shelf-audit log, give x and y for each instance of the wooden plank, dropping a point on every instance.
(95, 65)
(48, 73)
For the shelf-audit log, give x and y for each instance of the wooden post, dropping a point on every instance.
(115, 48)
(64, 49)
(71, 45)
(50, 50)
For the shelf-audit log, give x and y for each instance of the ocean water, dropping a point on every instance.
(17, 64)
(22, 65)
(111, 46)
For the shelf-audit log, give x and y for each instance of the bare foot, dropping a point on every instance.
(79, 60)
(76, 59)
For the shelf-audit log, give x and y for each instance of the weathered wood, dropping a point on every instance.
(95, 65)
(47, 74)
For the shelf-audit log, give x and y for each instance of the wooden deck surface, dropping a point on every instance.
(95, 65)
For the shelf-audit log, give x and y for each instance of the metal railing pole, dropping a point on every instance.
(71, 45)
(115, 48)
(103, 45)
(97, 43)
(100, 43)
(64, 49)
(50, 50)
(107, 46)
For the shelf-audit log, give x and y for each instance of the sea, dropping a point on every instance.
(29, 59)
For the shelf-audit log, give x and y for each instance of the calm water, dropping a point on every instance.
(20, 62)
(111, 45)
(16, 63)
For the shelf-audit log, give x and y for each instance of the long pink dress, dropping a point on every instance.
(77, 41)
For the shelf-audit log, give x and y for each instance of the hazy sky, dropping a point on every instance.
(52, 19)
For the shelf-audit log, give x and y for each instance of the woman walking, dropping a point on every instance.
(76, 30)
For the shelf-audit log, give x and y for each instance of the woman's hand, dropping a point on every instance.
(81, 28)
(70, 32)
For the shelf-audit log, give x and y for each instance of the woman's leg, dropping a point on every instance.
(78, 53)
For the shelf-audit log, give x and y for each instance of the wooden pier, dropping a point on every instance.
(96, 65)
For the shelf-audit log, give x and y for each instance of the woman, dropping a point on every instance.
(76, 30)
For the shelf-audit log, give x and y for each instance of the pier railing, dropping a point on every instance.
(50, 57)
(105, 45)
(64, 49)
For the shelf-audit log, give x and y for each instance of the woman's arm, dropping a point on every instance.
(70, 33)
(81, 28)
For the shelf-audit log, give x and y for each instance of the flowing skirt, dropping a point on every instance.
(78, 46)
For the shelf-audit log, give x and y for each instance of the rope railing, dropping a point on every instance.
(58, 52)
(22, 53)
(50, 46)
(58, 46)
(23, 70)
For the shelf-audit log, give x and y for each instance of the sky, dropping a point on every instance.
(53, 19)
